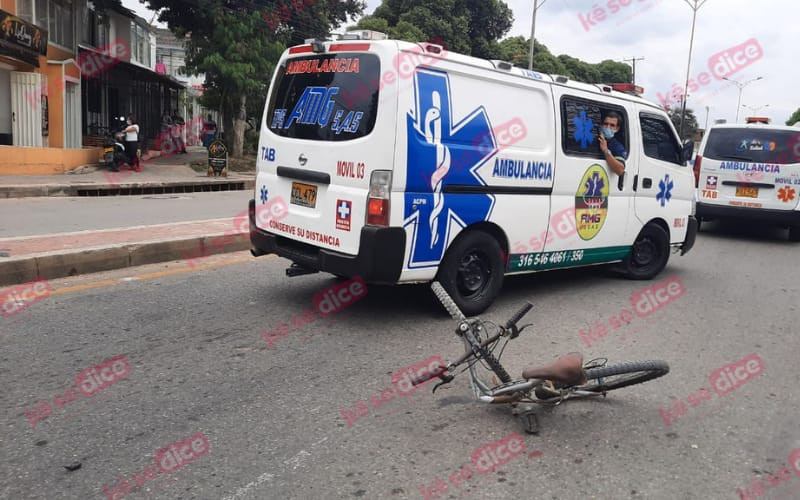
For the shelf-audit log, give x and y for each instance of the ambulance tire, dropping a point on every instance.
(649, 254)
(472, 271)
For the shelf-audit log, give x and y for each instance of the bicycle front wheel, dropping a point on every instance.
(613, 377)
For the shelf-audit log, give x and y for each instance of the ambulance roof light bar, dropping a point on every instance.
(363, 35)
(628, 88)
(317, 46)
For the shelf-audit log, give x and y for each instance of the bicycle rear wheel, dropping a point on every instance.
(613, 377)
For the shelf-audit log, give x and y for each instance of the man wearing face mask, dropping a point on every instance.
(613, 149)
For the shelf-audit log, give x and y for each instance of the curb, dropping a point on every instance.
(128, 188)
(92, 260)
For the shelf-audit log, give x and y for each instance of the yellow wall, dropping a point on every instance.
(43, 161)
(55, 92)
(55, 106)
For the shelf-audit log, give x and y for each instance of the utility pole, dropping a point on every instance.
(695, 8)
(706, 126)
(533, 31)
(633, 61)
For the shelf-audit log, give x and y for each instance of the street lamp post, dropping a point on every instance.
(741, 87)
(695, 8)
(533, 31)
(755, 109)
(706, 126)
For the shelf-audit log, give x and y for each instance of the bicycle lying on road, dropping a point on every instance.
(565, 378)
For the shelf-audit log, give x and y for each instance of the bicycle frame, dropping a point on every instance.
(508, 393)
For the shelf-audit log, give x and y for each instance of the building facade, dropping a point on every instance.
(40, 88)
(171, 60)
(125, 83)
(67, 75)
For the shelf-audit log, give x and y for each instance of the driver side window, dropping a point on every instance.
(658, 140)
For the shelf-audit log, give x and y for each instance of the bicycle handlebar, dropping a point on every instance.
(518, 316)
(438, 372)
(447, 302)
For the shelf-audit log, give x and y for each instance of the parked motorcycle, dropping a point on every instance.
(114, 154)
(114, 151)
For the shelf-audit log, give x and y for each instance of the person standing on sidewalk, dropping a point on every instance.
(177, 132)
(132, 143)
(209, 131)
(166, 134)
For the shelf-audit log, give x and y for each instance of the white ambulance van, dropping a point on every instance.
(404, 163)
(750, 172)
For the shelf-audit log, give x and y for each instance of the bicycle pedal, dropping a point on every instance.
(531, 423)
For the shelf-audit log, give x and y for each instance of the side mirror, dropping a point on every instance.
(688, 150)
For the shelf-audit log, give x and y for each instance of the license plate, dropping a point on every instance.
(747, 191)
(304, 195)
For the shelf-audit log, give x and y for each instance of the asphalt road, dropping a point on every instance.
(49, 215)
(271, 420)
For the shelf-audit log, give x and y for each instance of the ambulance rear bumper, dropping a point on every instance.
(379, 258)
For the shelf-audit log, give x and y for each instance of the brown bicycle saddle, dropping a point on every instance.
(566, 370)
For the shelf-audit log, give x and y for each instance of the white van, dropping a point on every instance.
(750, 172)
(401, 162)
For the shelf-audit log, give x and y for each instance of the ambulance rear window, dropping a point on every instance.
(753, 145)
(325, 97)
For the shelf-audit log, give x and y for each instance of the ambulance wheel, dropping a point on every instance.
(472, 271)
(794, 233)
(649, 253)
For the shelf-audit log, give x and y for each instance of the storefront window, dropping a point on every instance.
(65, 18)
(40, 13)
(25, 10)
(54, 26)
(55, 16)
(140, 44)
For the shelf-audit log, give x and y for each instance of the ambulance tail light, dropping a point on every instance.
(378, 204)
(696, 169)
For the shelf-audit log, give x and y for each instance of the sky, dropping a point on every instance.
(760, 39)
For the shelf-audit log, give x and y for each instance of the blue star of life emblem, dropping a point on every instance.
(664, 190)
(583, 129)
(264, 194)
(442, 152)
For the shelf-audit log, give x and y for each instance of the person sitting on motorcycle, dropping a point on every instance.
(132, 142)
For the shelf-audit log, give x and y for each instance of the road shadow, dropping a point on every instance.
(756, 231)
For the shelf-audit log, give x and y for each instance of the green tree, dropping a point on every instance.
(237, 46)
(613, 72)
(794, 118)
(580, 70)
(689, 122)
(515, 50)
(469, 27)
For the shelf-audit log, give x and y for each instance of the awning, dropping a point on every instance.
(149, 75)
(139, 72)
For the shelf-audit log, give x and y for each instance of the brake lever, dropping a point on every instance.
(446, 379)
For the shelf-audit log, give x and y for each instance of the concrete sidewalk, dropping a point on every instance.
(24, 259)
(159, 175)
